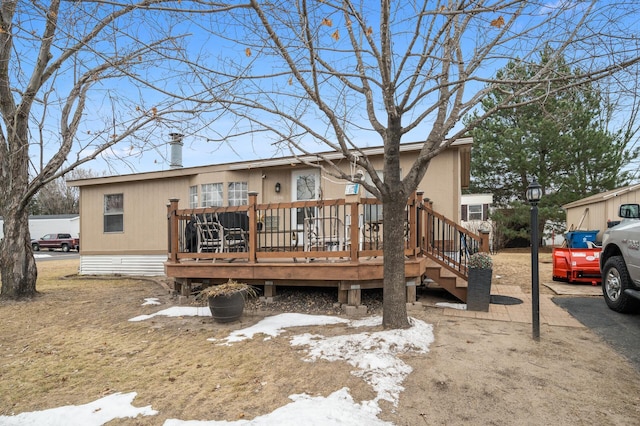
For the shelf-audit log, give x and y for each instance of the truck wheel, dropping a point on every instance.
(65, 248)
(35, 247)
(615, 280)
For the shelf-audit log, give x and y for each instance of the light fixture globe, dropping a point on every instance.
(534, 192)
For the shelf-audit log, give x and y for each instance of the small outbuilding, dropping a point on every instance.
(600, 211)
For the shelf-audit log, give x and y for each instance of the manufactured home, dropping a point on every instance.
(294, 223)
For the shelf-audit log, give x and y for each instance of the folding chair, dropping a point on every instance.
(209, 234)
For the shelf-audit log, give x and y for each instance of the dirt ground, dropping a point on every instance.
(73, 344)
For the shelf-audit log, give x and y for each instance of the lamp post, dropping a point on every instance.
(534, 193)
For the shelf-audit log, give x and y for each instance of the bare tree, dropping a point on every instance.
(345, 73)
(78, 78)
(622, 95)
(56, 197)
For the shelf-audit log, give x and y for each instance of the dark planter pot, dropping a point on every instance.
(227, 308)
(479, 289)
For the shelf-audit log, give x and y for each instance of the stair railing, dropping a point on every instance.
(447, 242)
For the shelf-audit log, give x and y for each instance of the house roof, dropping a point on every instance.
(601, 197)
(245, 165)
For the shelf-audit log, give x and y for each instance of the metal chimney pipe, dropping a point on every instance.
(176, 150)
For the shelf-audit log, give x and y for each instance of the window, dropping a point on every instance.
(193, 197)
(113, 213)
(373, 212)
(238, 194)
(211, 195)
(475, 212)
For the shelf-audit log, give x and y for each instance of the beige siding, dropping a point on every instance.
(266, 187)
(441, 184)
(145, 221)
(146, 197)
(588, 218)
(445, 193)
(600, 210)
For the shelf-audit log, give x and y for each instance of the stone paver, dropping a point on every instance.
(550, 313)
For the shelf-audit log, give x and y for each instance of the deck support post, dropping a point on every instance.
(343, 295)
(411, 291)
(269, 289)
(181, 286)
(185, 287)
(354, 295)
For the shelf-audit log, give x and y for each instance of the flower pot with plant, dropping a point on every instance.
(226, 301)
(479, 284)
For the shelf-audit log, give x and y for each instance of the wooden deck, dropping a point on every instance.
(349, 277)
(328, 243)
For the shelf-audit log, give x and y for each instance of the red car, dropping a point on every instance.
(65, 242)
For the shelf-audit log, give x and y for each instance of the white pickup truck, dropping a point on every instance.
(620, 261)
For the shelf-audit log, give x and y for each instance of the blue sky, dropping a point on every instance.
(200, 146)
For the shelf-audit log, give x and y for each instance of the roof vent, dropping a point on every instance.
(176, 150)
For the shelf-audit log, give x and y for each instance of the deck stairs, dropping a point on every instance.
(440, 276)
(447, 247)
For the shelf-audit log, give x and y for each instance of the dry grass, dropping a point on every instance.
(74, 344)
(513, 267)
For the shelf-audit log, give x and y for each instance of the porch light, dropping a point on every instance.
(534, 194)
(277, 186)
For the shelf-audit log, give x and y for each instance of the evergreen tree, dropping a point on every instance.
(561, 140)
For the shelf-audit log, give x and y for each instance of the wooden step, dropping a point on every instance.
(447, 280)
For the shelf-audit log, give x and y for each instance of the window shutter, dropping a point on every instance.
(485, 212)
(464, 211)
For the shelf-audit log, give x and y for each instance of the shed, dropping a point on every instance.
(597, 211)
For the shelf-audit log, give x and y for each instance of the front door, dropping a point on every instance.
(306, 186)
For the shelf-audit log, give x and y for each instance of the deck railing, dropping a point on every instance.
(309, 230)
(448, 243)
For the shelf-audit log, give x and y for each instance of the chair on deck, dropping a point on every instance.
(235, 230)
(325, 233)
(209, 234)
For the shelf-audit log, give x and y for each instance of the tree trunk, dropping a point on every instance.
(17, 264)
(394, 303)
